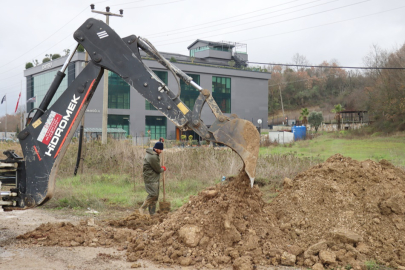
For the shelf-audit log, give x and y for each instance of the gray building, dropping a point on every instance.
(216, 66)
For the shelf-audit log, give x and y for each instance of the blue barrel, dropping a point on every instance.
(299, 132)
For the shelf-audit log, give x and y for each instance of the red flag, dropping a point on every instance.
(18, 100)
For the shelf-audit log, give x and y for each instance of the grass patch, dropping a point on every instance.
(101, 192)
(360, 148)
(373, 265)
(97, 192)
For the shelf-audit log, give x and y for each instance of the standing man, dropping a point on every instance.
(151, 177)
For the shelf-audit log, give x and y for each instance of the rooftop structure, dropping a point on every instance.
(227, 50)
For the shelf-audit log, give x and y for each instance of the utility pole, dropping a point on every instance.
(281, 98)
(6, 119)
(105, 92)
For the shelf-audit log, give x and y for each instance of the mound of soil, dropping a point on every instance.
(344, 212)
(220, 225)
(91, 233)
(341, 212)
(66, 234)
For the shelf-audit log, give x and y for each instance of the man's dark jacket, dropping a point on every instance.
(151, 167)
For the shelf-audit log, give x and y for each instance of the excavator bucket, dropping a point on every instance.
(243, 137)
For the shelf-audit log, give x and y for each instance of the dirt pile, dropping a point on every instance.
(339, 213)
(223, 224)
(91, 233)
(344, 212)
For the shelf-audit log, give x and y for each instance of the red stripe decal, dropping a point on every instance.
(74, 119)
(36, 151)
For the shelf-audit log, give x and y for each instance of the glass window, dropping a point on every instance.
(40, 85)
(118, 92)
(118, 121)
(156, 125)
(221, 92)
(163, 76)
(188, 93)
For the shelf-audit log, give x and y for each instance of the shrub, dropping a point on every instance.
(28, 65)
(55, 56)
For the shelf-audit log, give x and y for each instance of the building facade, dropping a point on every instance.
(236, 90)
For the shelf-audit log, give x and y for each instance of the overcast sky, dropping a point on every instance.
(274, 30)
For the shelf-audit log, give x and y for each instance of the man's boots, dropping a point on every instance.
(143, 208)
(152, 209)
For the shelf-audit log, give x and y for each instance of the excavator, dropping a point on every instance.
(44, 140)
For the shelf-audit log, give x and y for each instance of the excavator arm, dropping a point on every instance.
(45, 139)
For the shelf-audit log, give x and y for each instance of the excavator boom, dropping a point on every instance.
(46, 138)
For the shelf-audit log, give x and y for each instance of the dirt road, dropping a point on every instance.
(14, 254)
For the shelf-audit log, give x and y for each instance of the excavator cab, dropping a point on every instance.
(45, 139)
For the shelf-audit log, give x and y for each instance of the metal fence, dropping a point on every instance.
(141, 141)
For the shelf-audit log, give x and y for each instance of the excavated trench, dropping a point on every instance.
(339, 213)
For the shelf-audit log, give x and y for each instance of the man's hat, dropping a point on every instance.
(158, 145)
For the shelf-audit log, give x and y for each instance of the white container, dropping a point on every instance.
(281, 137)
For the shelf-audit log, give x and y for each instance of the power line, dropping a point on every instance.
(311, 78)
(294, 31)
(11, 69)
(165, 32)
(341, 67)
(127, 3)
(325, 24)
(257, 16)
(160, 4)
(43, 40)
(255, 27)
(36, 57)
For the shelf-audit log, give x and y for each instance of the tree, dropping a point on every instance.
(304, 116)
(338, 108)
(28, 65)
(66, 51)
(46, 59)
(300, 60)
(35, 62)
(173, 60)
(315, 119)
(80, 48)
(55, 56)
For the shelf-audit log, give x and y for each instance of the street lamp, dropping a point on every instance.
(259, 121)
(107, 13)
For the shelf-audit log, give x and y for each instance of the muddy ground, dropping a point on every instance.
(339, 214)
(17, 255)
